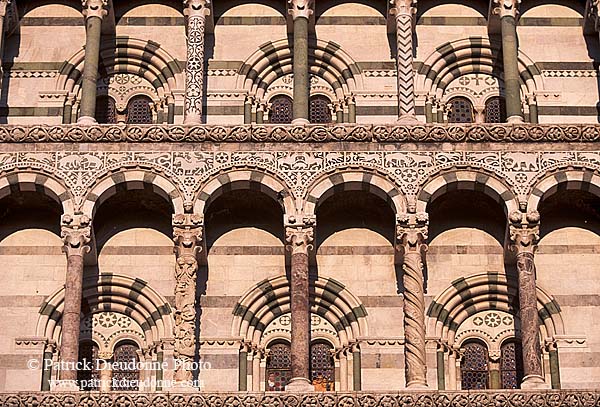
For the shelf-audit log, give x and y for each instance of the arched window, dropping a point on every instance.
(495, 110)
(474, 366)
(279, 367)
(139, 111)
(319, 111)
(281, 109)
(511, 365)
(106, 110)
(322, 367)
(460, 110)
(125, 374)
(88, 377)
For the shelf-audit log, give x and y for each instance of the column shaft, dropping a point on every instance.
(299, 304)
(441, 371)
(87, 109)
(76, 234)
(356, 369)
(301, 74)
(187, 236)
(406, 91)
(511, 69)
(530, 336)
(411, 234)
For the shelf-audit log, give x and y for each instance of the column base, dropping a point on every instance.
(86, 121)
(407, 119)
(300, 122)
(299, 385)
(515, 120)
(417, 385)
(64, 385)
(534, 382)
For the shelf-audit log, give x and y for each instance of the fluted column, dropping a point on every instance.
(508, 10)
(195, 12)
(403, 12)
(187, 236)
(411, 235)
(524, 236)
(301, 10)
(93, 11)
(299, 240)
(76, 234)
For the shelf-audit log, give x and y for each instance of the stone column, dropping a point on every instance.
(256, 358)
(76, 233)
(3, 9)
(301, 10)
(299, 240)
(195, 12)
(533, 109)
(93, 12)
(452, 369)
(187, 236)
(105, 373)
(404, 11)
(508, 10)
(524, 235)
(411, 234)
(243, 367)
(248, 104)
(429, 109)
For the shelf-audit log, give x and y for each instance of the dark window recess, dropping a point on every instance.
(319, 111)
(139, 110)
(495, 110)
(125, 375)
(106, 110)
(279, 367)
(460, 110)
(281, 110)
(322, 367)
(474, 367)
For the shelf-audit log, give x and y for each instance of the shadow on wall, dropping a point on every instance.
(11, 51)
(593, 48)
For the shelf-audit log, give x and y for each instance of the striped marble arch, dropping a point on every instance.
(109, 185)
(467, 180)
(367, 181)
(37, 182)
(127, 55)
(270, 298)
(467, 296)
(471, 55)
(274, 59)
(257, 180)
(579, 180)
(111, 292)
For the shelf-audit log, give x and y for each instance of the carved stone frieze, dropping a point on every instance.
(546, 398)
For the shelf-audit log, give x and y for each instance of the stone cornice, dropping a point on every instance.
(475, 133)
(545, 398)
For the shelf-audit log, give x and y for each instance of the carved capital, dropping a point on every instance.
(196, 8)
(412, 233)
(76, 232)
(403, 8)
(524, 230)
(301, 8)
(187, 235)
(94, 8)
(299, 238)
(504, 8)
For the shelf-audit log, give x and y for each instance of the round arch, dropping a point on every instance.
(370, 181)
(106, 187)
(269, 299)
(486, 291)
(34, 181)
(237, 179)
(467, 180)
(580, 179)
(111, 292)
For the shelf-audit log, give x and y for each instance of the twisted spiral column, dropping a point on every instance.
(195, 12)
(411, 234)
(524, 236)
